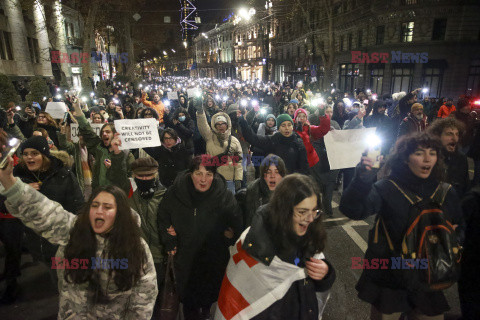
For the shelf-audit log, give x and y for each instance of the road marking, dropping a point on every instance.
(348, 227)
(335, 219)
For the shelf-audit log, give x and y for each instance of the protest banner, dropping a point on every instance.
(138, 133)
(345, 147)
(74, 130)
(172, 95)
(191, 92)
(56, 109)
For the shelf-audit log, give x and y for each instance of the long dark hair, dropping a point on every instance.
(123, 242)
(292, 190)
(407, 145)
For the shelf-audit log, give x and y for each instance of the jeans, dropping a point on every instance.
(231, 186)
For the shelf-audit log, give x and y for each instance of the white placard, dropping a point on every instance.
(56, 109)
(345, 147)
(314, 79)
(138, 133)
(172, 95)
(191, 92)
(74, 130)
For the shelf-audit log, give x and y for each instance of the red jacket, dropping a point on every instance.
(445, 111)
(315, 132)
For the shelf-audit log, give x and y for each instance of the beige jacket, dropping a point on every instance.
(233, 169)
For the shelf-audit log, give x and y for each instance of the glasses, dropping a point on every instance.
(169, 138)
(304, 214)
(30, 154)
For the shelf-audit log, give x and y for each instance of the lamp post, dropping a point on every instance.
(109, 28)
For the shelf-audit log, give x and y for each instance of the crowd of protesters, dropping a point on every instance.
(233, 155)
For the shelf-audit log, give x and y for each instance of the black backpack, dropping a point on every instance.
(429, 235)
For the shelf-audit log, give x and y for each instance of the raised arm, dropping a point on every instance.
(92, 140)
(262, 142)
(319, 131)
(203, 126)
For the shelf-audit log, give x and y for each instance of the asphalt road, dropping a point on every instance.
(346, 239)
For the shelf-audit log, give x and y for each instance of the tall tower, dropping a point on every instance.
(188, 22)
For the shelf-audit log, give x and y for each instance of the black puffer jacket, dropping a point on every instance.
(290, 149)
(300, 301)
(251, 198)
(384, 288)
(457, 172)
(170, 162)
(199, 219)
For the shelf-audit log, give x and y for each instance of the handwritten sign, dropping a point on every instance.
(172, 95)
(74, 130)
(138, 133)
(345, 147)
(56, 109)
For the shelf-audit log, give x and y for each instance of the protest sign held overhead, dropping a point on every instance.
(345, 147)
(172, 95)
(56, 109)
(138, 133)
(97, 127)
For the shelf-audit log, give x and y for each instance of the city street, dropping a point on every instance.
(346, 239)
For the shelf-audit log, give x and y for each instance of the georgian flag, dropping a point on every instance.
(250, 287)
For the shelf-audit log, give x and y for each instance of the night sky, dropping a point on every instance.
(213, 10)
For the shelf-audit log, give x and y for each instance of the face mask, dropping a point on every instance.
(146, 187)
(355, 110)
(182, 118)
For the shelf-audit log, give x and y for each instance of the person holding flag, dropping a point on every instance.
(277, 269)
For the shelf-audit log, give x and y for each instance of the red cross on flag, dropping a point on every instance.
(250, 287)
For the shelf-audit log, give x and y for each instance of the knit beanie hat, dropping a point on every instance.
(416, 106)
(144, 166)
(282, 118)
(232, 108)
(38, 143)
(270, 116)
(300, 110)
(219, 118)
(294, 101)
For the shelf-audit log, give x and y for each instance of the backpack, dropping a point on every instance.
(429, 235)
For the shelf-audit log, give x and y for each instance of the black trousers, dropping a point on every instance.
(11, 234)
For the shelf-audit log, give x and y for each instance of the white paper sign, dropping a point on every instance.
(191, 92)
(345, 147)
(74, 130)
(56, 109)
(172, 95)
(138, 133)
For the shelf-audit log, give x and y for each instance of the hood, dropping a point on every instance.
(229, 125)
(299, 110)
(217, 191)
(63, 156)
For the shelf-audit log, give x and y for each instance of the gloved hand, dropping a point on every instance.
(198, 104)
(321, 110)
(238, 185)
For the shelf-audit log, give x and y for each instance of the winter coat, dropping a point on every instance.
(249, 199)
(185, 132)
(384, 288)
(445, 111)
(411, 125)
(404, 106)
(469, 122)
(315, 132)
(158, 107)
(457, 171)
(300, 301)
(95, 146)
(199, 220)
(291, 149)
(233, 169)
(385, 129)
(355, 123)
(170, 162)
(54, 223)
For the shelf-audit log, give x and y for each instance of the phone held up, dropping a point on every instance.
(9, 151)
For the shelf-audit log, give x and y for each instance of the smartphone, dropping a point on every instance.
(9, 151)
(65, 117)
(375, 154)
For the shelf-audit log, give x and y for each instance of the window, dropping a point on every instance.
(350, 40)
(34, 50)
(473, 83)
(432, 79)
(439, 29)
(342, 40)
(5, 45)
(407, 31)
(360, 38)
(380, 35)
(348, 79)
(376, 77)
(402, 78)
(167, 19)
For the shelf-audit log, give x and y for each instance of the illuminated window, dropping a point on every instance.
(407, 31)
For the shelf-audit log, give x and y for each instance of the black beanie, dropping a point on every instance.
(38, 143)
